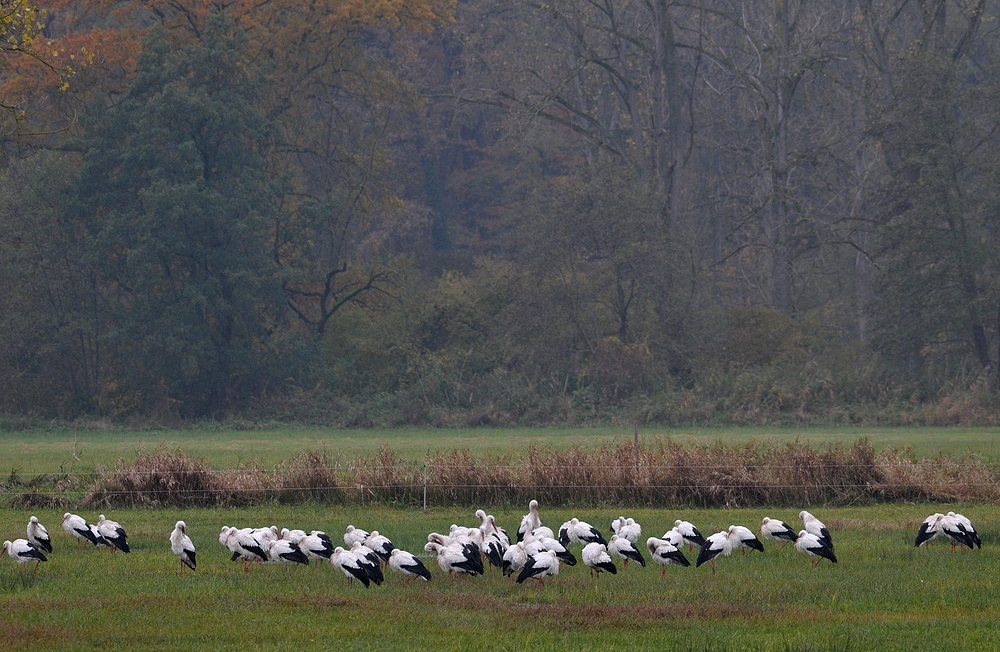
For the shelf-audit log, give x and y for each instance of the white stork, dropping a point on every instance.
(577, 531)
(514, 559)
(113, 532)
(743, 537)
(180, 545)
(286, 552)
(772, 528)
(380, 545)
(534, 544)
(23, 551)
(316, 547)
(38, 535)
(715, 545)
(405, 563)
(243, 545)
(815, 526)
(369, 561)
(956, 530)
(529, 521)
(78, 527)
(929, 529)
(354, 534)
(539, 566)
(457, 558)
(346, 562)
(295, 536)
(595, 557)
(815, 546)
(692, 537)
(621, 547)
(966, 526)
(664, 553)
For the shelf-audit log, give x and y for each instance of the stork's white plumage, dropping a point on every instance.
(346, 562)
(316, 547)
(674, 537)
(295, 536)
(929, 529)
(966, 526)
(595, 557)
(38, 535)
(380, 545)
(23, 551)
(692, 537)
(539, 566)
(630, 530)
(743, 537)
(113, 533)
(772, 528)
(534, 544)
(353, 534)
(514, 559)
(243, 545)
(369, 561)
(78, 527)
(404, 562)
(619, 546)
(457, 558)
(815, 526)
(715, 545)
(815, 546)
(286, 552)
(529, 521)
(664, 553)
(181, 545)
(957, 531)
(577, 531)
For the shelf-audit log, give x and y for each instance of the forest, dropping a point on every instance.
(500, 212)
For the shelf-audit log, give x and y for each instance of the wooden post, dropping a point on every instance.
(425, 486)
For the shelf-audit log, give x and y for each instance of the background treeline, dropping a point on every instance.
(502, 211)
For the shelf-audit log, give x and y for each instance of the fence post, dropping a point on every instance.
(425, 486)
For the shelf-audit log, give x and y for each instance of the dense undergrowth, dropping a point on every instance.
(664, 473)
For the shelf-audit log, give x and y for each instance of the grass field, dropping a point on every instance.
(884, 594)
(39, 451)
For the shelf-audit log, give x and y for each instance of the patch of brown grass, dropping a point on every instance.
(666, 473)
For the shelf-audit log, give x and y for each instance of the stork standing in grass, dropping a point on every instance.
(743, 538)
(577, 531)
(966, 526)
(539, 566)
(815, 546)
(929, 529)
(114, 533)
(286, 552)
(353, 534)
(38, 535)
(348, 563)
(715, 545)
(405, 563)
(78, 527)
(23, 552)
(529, 521)
(772, 528)
(815, 526)
(664, 553)
(180, 545)
(619, 546)
(595, 557)
(692, 537)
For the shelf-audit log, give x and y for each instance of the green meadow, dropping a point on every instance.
(81, 451)
(884, 594)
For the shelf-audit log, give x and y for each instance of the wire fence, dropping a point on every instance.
(843, 477)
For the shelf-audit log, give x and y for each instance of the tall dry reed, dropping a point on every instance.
(665, 473)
